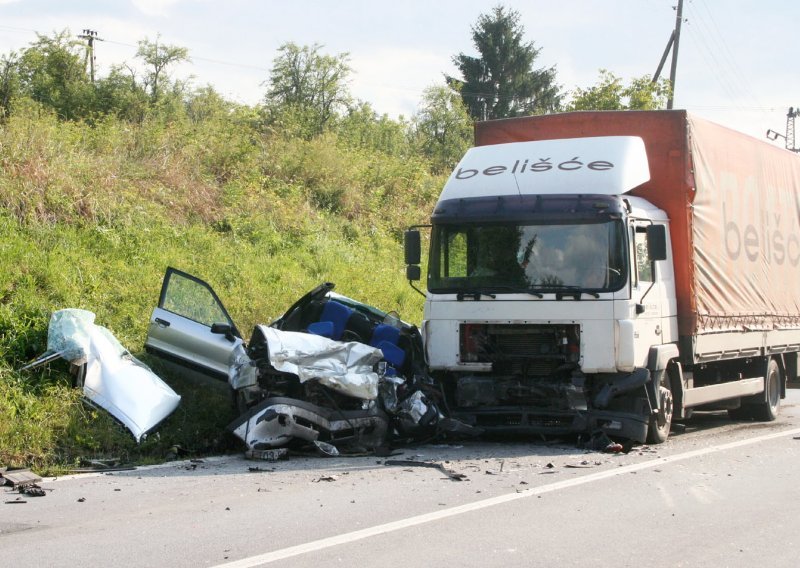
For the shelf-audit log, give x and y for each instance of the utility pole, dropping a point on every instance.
(789, 136)
(90, 36)
(790, 116)
(674, 67)
(672, 44)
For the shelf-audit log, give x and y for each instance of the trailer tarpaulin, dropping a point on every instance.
(745, 231)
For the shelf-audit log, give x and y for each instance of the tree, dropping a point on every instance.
(9, 82)
(158, 57)
(502, 82)
(52, 72)
(611, 94)
(120, 94)
(443, 127)
(362, 127)
(307, 87)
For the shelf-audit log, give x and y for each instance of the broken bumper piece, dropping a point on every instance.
(278, 421)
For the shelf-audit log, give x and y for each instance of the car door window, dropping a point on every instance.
(192, 299)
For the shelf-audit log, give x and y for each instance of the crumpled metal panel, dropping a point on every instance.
(113, 378)
(343, 366)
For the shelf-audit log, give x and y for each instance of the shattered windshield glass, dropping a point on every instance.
(524, 257)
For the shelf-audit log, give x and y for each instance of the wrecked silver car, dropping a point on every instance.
(330, 370)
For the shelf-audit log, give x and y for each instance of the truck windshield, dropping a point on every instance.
(528, 257)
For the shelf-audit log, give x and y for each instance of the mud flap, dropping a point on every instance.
(618, 424)
(620, 385)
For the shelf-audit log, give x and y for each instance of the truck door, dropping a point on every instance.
(646, 293)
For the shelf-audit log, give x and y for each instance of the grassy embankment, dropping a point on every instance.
(90, 217)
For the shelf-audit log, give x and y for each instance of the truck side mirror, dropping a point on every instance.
(413, 272)
(413, 249)
(657, 242)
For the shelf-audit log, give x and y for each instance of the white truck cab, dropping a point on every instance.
(602, 271)
(548, 288)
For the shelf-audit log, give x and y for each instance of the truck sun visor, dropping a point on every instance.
(546, 208)
(608, 165)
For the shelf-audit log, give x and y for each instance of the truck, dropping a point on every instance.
(609, 272)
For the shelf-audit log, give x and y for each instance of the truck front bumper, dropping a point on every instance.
(526, 421)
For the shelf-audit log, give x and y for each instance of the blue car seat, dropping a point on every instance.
(385, 337)
(332, 321)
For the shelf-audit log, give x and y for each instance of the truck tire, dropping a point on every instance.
(767, 411)
(660, 423)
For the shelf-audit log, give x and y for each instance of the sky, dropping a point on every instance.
(738, 62)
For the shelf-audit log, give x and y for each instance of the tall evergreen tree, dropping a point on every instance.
(502, 82)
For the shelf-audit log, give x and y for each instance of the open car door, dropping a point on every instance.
(191, 328)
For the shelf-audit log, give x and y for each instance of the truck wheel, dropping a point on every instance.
(660, 423)
(767, 411)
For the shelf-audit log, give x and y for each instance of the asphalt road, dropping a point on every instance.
(719, 493)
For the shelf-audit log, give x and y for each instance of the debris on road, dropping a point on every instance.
(33, 491)
(260, 470)
(549, 468)
(452, 475)
(600, 442)
(107, 465)
(327, 478)
(19, 478)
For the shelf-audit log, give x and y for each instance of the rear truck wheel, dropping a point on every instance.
(767, 410)
(661, 422)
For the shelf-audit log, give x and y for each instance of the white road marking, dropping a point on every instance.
(401, 524)
(669, 502)
(701, 495)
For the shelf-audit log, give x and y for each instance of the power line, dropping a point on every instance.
(719, 39)
(123, 44)
(719, 59)
(13, 29)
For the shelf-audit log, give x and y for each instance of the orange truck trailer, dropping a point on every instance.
(612, 271)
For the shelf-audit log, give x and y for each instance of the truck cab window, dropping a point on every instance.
(454, 256)
(528, 256)
(644, 267)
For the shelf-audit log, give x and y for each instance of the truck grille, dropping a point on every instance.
(520, 348)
